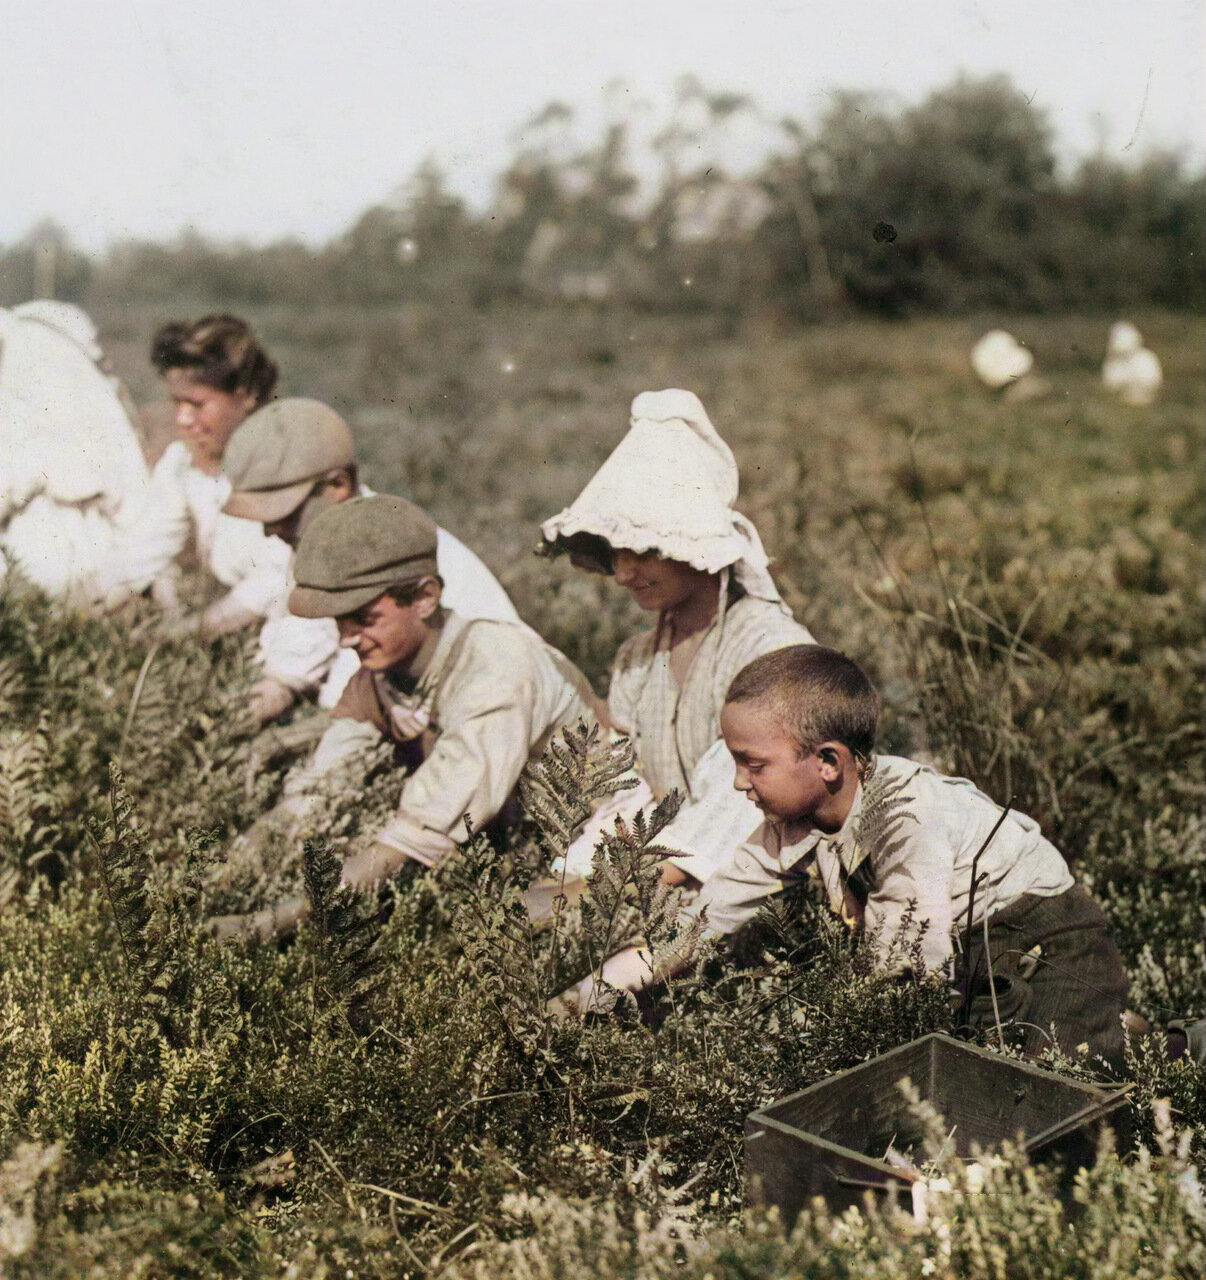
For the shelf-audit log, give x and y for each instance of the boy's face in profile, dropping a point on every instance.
(385, 633)
(771, 769)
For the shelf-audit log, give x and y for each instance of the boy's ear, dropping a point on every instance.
(832, 757)
(428, 599)
(339, 484)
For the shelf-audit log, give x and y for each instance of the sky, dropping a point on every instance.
(257, 120)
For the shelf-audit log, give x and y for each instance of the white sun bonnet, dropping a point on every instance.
(669, 486)
(65, 318)
(999, 359)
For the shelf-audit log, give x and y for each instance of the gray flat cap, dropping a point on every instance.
(357, 550)
(274, 458)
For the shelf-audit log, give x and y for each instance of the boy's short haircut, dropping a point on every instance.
(409, 592)
(817, 695)
(219, 351)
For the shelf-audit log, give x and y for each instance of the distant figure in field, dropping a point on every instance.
(1004, 366)
(1131, 371)
(71, 467)
(216, 373)
(289, 461)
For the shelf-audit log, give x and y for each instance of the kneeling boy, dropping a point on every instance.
(467, 702)
(891, 840)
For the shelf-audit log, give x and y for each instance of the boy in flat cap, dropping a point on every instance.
(469, 701)
(287, 462)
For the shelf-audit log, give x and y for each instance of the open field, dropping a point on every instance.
(1024, 580)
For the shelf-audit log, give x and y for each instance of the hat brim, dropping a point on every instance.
(587, 551)
(322, 602)
(314, 602)
(268, 505)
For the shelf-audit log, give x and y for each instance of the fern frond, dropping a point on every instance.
(348, 922)
(125, 866)
(24, 756)
(577, 769)
(879, 828)
(13, 687)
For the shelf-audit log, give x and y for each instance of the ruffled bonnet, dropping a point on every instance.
(669, 486)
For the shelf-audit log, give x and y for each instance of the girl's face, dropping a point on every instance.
(206, 417)
(659, 585)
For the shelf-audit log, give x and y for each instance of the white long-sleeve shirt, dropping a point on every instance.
(182, 500)
(71, 467)
(919, 850)
(675, 731)
(492, 696)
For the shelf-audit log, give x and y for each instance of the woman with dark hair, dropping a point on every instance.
(216, 372)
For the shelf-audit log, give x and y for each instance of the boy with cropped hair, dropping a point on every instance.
(927, 867)
(895, 846)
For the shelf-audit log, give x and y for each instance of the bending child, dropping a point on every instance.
(891, 841)
(290, 460)
(658, 515)
(217, 373)
(466, 702)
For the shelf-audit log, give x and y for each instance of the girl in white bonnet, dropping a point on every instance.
(658, 515)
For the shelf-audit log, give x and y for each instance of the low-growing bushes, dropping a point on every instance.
(391, 1097)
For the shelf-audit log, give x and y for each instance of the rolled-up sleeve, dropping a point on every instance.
(754, 871)
(341, 740)
(299, 652)
(260, 583)
(154, 533)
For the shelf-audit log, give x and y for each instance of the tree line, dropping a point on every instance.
(955, 204)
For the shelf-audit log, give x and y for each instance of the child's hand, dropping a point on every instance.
(409, 722)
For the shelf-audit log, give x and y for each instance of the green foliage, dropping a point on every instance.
(124, 870)
(395, 1098)
(954, 204)
(348, 923)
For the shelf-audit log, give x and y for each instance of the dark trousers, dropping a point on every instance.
(1057, 975)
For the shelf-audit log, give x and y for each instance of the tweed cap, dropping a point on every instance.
(357, 550)
(274, 458)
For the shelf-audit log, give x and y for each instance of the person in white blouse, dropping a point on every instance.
(659, 516)
(71, 467)
(292, 459)
(216, 372)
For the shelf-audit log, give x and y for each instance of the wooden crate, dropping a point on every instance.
(828, 1140)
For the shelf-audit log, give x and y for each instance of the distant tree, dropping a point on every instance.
(841, 168)
(1134, 233)
(938, 208)
(791, 239)
(699, 230)
(43, 264)
(562, 222)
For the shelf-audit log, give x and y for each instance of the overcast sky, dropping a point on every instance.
(259, 119)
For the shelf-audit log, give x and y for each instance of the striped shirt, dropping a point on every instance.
(671, 727)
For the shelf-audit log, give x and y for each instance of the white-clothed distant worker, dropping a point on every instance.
(216, 372)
